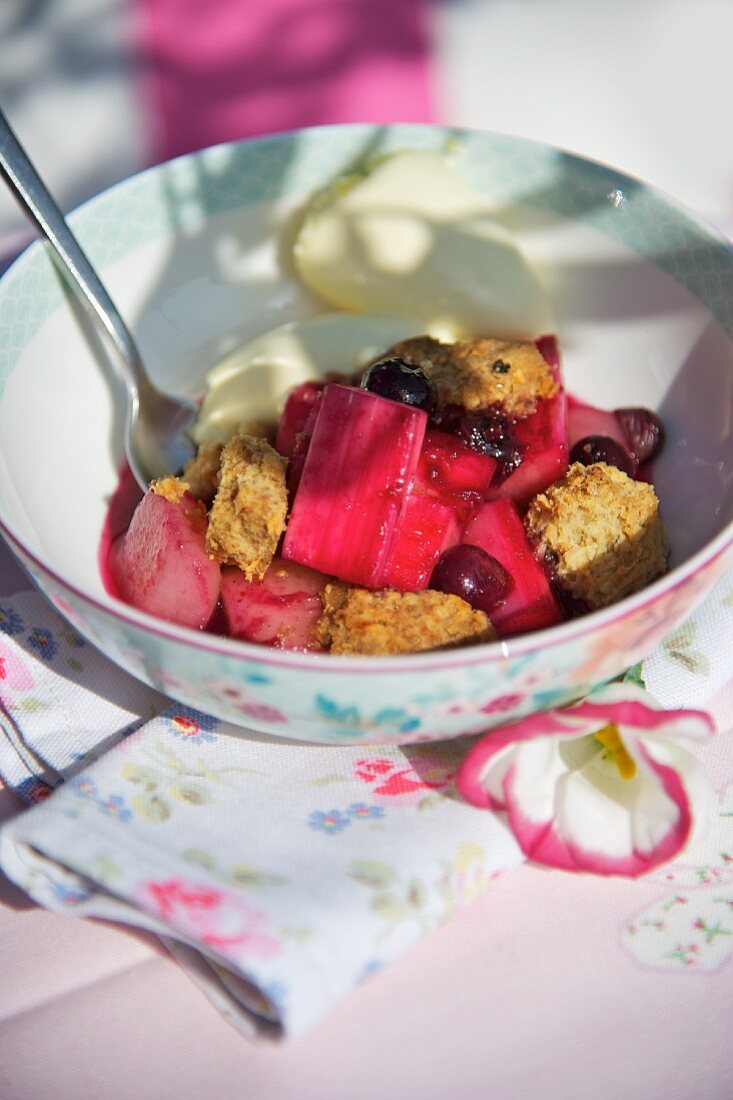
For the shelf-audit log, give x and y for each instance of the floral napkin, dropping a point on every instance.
(280, 874)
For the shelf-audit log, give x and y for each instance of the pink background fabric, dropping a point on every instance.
(220, 70)
(531, 991)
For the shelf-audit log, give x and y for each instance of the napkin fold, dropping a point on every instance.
(280, 874)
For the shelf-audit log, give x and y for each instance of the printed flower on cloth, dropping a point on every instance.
(603, 785)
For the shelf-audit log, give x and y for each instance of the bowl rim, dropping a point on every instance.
(494, 652)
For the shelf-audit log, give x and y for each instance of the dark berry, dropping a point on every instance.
(601, 448)
(643, 430)
(401, 381)
(469, 572)
(500, 367)
(489, 433)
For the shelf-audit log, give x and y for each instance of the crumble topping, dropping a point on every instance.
(250, 506)
(357, 621)
(170, 488)
(482, 372)
(202, 471)
(602, 532)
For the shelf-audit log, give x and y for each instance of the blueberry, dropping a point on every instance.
(601, 448)
(643, 430)
(489, 433)
(401, 381)
(477, 577)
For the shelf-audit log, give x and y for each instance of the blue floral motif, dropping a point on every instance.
(191, 725)
(69, 895)
(360, 811)
(44, 643)
(114, 806)
(10, 621)
(350, 718)
(329, 821)
(85, 787)
(371, 966)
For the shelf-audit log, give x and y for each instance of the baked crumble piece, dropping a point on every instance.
(478, 373)
(601, 531)
(250, 506)
(357, 621)
(170, 488)
(202, 471)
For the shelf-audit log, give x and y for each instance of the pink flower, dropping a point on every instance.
(15, 674)
(211, 916)
(601, 786)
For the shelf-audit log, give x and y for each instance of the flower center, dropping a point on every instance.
(616, 751)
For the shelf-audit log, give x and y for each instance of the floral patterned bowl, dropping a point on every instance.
(193, 253)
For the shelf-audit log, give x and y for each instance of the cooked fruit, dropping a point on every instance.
(530, 605)
(401, 381)
(429, 527)
(585, 420)
(350, 502)
(542, 440)
(477, 577)
(601, 448)
(281, 610)
(296, 411)
(455, 473)
(644, 432)
(160, 564)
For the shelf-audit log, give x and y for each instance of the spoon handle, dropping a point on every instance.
(39, 205)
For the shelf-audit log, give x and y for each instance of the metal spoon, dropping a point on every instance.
(155, 423)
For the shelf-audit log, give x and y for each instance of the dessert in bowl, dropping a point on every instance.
(198, 255)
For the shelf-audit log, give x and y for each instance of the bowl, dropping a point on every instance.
(196, 254)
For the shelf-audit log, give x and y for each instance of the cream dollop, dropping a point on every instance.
(411, 237)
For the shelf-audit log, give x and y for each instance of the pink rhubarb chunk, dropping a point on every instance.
(542, 438)
(350, 502)
(498, 529)
(453, 472)
(281, 610)
(298, 406)
(429, 527)
(585, 420)
(160, 564)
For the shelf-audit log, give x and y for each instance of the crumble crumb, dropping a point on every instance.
(202, 471)
(250, 506)
(170, 488)
(357, 621)
(478, 373)
(602, 532)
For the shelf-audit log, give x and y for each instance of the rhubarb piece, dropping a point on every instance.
(542, 441)
(602, 531)
(281, 610)
(530, 605)
(377, 624)
(429, 527)
(160, 565)
(350, 502)
(454, 472)
(585, 420)
(300, 402)
(300, 449)
(249, 509)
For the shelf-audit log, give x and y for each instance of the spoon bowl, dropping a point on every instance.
(155, 423)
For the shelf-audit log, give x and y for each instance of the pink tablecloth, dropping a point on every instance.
(540, 987)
